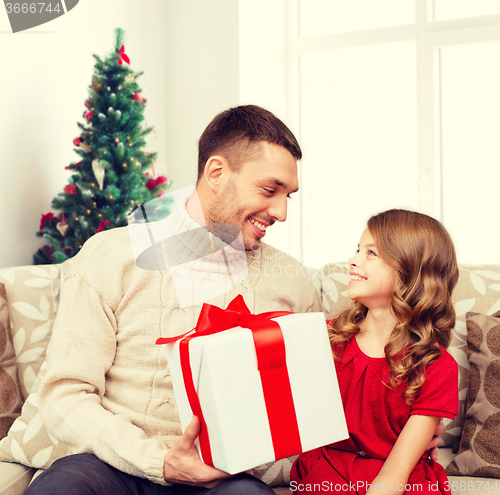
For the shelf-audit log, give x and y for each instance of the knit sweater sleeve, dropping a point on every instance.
(82, 350)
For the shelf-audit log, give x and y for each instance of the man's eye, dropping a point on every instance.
(270, 191)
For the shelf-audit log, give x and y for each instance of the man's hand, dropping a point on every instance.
(436, 440)
(182, 464)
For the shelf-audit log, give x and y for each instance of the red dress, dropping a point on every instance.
(375, 417)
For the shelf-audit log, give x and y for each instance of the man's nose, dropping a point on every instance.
(279, 209)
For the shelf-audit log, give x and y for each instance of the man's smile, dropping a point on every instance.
(259, 227)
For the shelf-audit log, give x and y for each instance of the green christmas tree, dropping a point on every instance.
(111, 179)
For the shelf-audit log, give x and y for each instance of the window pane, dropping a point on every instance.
(441, 10)
(358, 135)
(470, 78)
(319, 17)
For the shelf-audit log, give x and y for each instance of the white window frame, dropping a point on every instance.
(429, 36)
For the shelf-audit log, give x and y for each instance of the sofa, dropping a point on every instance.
(29, 297)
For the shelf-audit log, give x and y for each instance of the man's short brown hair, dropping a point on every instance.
(236, 134)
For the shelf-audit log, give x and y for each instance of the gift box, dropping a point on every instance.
(264, 386)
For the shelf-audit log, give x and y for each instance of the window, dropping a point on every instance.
(395, 106)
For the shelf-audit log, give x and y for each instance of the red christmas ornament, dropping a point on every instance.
(70, 189)
(87, 102)
(77, 141)
(76, 165)
(47, 216)
(89, 115)
(122, 56)
(138, 97)
(103, 225)
(152, 183)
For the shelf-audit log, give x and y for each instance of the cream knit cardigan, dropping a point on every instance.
(108, 389)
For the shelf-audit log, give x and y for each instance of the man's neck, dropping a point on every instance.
(195, 210)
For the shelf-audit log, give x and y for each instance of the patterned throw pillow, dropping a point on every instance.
(479, 452)
(10, 394)
(276, 473)
(478, 291)
(28, 442)
(33, 295)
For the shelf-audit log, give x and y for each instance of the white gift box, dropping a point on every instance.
(229, 388)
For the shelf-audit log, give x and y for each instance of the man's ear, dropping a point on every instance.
(215, 172)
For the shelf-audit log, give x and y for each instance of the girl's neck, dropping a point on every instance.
(375, 332)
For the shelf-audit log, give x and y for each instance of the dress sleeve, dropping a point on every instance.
(438, 396)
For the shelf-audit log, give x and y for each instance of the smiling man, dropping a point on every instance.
(247, 170)
(107, 392)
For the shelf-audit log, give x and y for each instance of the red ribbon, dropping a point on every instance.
(123, 56)
(271, 361)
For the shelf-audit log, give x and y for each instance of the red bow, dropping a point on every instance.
(271, 361)
(123, 56)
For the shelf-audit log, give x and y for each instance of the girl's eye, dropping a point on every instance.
(372, 253)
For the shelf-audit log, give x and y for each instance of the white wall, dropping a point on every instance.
(202, 76)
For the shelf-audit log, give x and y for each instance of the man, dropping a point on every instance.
(107, 392)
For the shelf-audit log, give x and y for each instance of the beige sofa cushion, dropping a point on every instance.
(28, 442)
(14, 478)
(33, 295)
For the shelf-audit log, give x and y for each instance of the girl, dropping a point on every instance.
(395, 376)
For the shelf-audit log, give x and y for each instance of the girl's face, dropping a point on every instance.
(372, 279)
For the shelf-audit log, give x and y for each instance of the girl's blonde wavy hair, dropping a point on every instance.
(421, 252)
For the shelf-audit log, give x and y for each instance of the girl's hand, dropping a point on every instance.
(436, 440)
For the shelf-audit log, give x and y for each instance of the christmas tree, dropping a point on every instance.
(110, 179)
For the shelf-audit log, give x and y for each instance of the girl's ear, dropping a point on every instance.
(214, 173)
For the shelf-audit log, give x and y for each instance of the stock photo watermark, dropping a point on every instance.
(350, 487)
(205, 261)
(26, 15)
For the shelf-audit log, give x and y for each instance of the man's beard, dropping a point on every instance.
(222, 212)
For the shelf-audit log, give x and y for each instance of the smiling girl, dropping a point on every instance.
(395, 376)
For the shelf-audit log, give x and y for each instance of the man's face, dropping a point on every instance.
(256, 196)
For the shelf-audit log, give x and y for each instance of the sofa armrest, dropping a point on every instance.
(15, 478)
